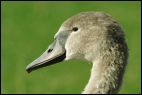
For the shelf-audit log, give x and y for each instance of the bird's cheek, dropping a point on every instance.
(69, 52)
(73, 53)
(73, 47)
(68, 56)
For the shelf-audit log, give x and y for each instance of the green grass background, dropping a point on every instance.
(27, 30)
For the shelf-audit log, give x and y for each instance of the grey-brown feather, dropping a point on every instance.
(100, 40)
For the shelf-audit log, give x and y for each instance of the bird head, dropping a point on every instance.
(82, 36)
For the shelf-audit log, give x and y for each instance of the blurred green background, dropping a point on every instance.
(28, 28)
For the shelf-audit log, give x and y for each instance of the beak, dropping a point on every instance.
(54, 54)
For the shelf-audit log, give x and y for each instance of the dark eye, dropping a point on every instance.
(75, 28)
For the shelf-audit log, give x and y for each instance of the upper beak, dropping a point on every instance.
(54, 54)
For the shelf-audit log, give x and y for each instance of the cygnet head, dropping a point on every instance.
(92, 36)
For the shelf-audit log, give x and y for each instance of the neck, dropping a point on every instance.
(107, 70)
(94, 79)
(104, 79)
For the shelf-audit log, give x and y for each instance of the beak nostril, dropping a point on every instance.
(49, 50)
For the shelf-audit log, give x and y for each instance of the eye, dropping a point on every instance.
(75, 28)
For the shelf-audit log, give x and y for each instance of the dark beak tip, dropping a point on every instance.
(28, 70)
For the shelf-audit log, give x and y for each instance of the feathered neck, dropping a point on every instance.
(107, 71)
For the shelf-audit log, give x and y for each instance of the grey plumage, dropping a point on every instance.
(99, 39)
